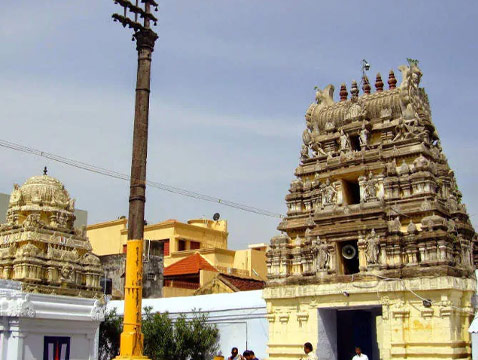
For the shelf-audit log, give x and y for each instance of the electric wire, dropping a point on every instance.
(117, 175)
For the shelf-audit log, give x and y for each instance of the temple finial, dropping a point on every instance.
(379, 83)
(45, 171)
(343, 92)
(354, 91)
(366, 85)
(392, 82)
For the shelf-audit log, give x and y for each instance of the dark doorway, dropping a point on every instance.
(355, 142)
(356, 328)
(56, 347)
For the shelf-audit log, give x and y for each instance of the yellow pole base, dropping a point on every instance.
(131, 342)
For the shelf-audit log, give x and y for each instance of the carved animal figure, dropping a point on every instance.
(325, 97)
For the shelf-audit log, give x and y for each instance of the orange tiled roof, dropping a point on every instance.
(190, 265)
(242, 284)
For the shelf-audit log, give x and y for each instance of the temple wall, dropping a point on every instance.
(403, 327)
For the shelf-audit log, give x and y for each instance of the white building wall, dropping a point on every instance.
(25, 320)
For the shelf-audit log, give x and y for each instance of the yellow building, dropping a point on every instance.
(180, 241)
(377, 249)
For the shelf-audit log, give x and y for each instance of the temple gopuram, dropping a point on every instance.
(377, 249)
(39, 245)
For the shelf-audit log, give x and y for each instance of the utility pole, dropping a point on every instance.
(131, 345)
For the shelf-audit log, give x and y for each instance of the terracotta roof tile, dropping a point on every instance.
(190, 265)
(242, 284)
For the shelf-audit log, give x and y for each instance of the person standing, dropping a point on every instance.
(234, 354)
(359, 355)
(309, 351)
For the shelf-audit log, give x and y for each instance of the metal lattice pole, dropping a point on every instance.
(131, 346)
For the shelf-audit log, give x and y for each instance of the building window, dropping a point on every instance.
(56, 348)
(195, 245)
(106, 285)
(181, 245)
(155, 248)
(125, 248)
(351, 191)
(151, 276)
(166, 248)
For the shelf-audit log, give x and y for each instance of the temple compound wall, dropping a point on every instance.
(377, 249)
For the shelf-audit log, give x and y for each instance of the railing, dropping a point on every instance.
(181, 284)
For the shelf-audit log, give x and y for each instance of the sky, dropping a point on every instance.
(231, 81)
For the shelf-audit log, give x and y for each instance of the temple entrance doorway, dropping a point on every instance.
(342, 329)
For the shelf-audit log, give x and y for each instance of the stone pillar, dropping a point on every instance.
(362, 248)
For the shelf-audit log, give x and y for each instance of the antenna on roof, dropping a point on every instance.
(45, 171)
(366, 86)
(365, 66)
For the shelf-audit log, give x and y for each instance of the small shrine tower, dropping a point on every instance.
(377, 249)
(39, 245)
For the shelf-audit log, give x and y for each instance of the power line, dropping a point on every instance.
(121, 176)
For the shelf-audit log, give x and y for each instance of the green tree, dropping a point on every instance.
(204, 336)
(183, 338)
(110, 331)
(158, 330)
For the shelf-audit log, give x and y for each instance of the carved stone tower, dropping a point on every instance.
(375, 222)
(39, 245)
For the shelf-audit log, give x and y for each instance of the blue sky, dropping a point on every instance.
(231, 83)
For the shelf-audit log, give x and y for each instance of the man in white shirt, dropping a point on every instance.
(359, 355)
(309, 351)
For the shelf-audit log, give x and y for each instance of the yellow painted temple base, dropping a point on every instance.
(404, 328)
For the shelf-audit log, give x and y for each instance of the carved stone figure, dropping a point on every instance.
(306, 137)
(329, 193)
(323, 256)
(466, 258)
(392, 168)
(395, 225)
(344, 141)
(412, 228)
(373, 248)
(401, 131)
(370, 188)
(16, 195)
(363, 137)
(404, 169)
(32, 220)
(66, 272)
(355, 112)
(319, 150)
(325, 97)
(304, 153)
